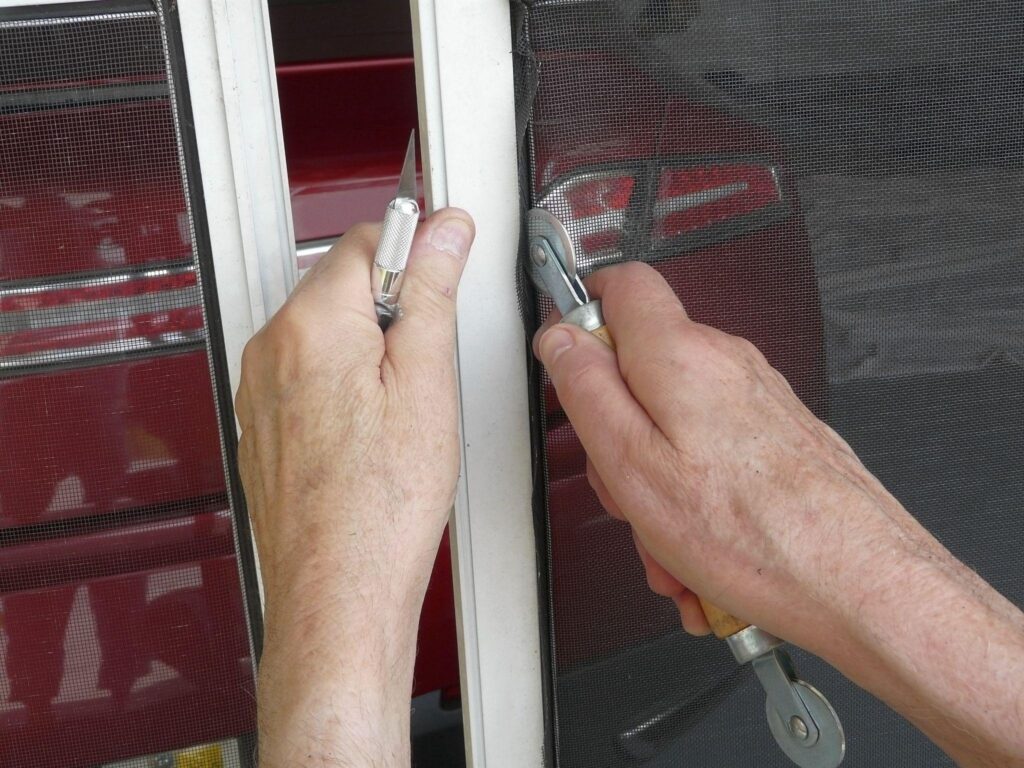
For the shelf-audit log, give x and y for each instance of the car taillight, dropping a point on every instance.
(596, 207)
(593, 206)
(79, 319)
(696, 197)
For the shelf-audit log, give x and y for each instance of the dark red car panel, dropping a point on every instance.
(109, 667)
(91, 189)
(123, 630)
(346, 125)
(96, 440)
(437, 650)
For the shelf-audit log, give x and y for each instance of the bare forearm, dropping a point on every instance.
(334, 686)
(946, 651)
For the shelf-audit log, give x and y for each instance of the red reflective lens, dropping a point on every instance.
(594, 196)
(692, 198)
(597, 207)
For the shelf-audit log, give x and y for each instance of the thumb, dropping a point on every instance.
(607, 418)
(426, 328)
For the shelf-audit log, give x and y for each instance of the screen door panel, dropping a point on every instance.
(839, 183)
(124, 635)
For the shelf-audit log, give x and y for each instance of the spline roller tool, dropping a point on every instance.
(802, 721)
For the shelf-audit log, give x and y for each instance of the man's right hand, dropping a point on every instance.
(737, 493)
(733, 488)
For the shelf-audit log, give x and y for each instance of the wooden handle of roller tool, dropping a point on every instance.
(722, 624)
(604, 335)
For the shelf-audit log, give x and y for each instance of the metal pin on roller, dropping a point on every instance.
(400, 220)
(553, 270)
(800, 718)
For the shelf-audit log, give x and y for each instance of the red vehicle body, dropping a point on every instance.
(122, 608)
(115, 519)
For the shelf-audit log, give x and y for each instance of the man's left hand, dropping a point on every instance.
(349, 455)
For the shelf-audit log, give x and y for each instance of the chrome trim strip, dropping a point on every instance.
(81, 312)
(55, 21)
(602, 222)
(56, 284)
(690, 200)
(556, 202)
(314, 247)
(21, 102)
(121, 346)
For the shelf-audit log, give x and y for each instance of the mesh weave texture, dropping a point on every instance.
(840, 183)
(123, 633)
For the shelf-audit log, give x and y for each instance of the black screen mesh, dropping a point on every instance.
(124, 637)
(840, 183)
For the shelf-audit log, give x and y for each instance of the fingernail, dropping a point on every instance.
(553, 343)
(452, 236)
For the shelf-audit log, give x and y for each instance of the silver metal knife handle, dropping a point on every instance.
(400, 220)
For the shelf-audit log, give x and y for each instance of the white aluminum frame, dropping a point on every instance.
(467, 116)
(232, 82)
(233, 90)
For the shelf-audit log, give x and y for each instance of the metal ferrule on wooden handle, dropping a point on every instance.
(589, 317)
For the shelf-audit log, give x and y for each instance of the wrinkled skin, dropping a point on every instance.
(349, 454)
(728, 480)
(734, 491)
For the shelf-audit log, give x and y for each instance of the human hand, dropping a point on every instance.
(349, 455)
(735, 490)
(349, 448)
(732, 487)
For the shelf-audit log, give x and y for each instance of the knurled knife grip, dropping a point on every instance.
(400, 220)
(397, 232)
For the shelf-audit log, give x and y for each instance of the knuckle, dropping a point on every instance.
(620, 282)
(710, 343)
(657, 585)
(748, 351)
(640, 453)
(243, 408)
(250, 357)
(285, 342)
(283, 330)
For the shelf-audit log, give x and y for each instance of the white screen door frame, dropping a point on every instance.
(464, 82)
(233, 91)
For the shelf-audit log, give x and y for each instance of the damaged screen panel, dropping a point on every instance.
(839, 183)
